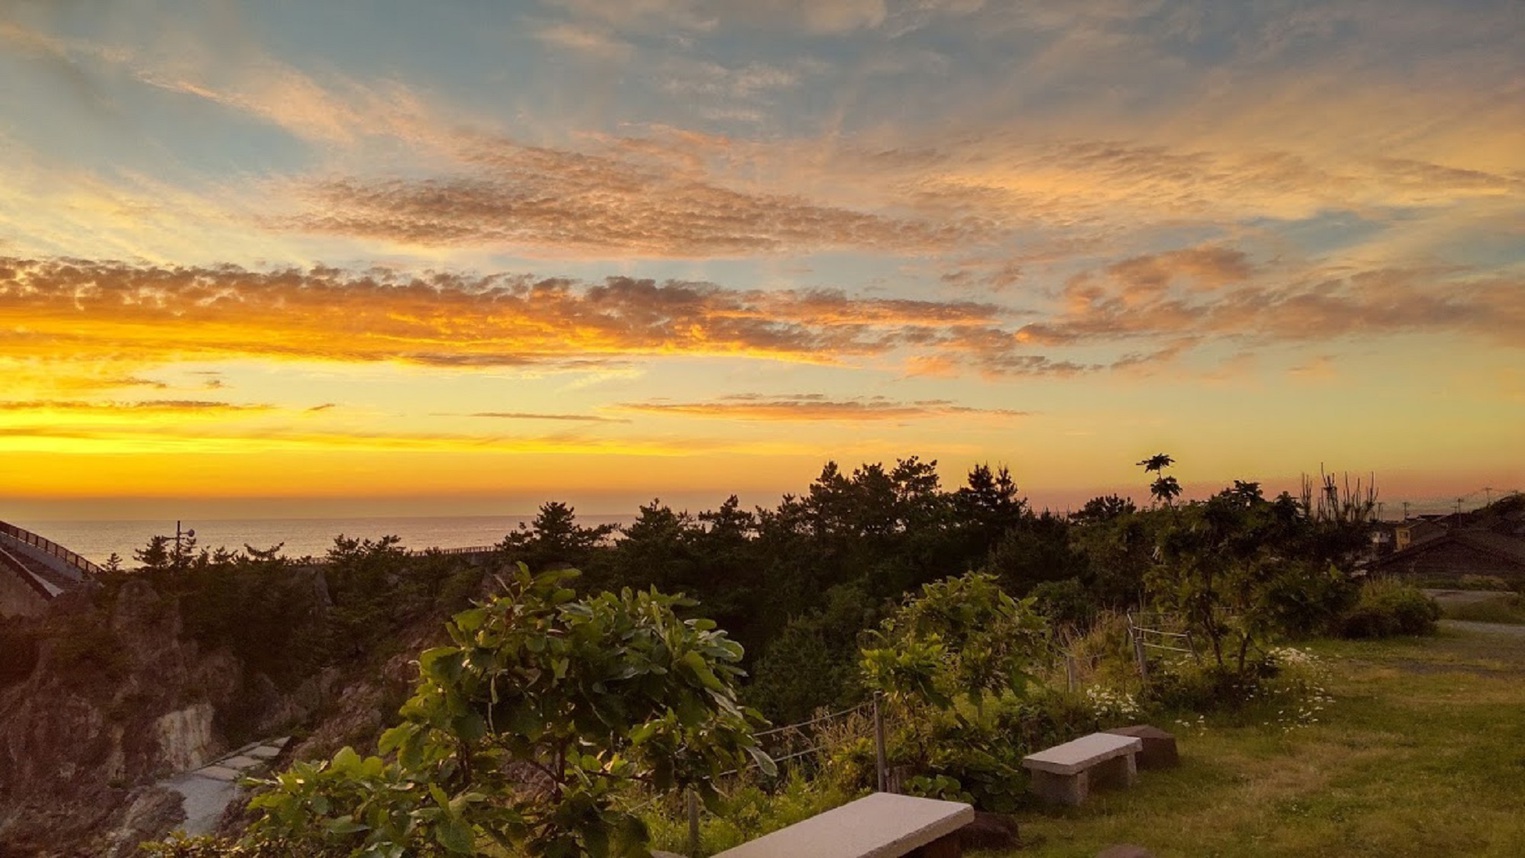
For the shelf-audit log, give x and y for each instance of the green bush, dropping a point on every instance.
(748, 811)
(1184, 686)
(1284, 687)
(1387, 608)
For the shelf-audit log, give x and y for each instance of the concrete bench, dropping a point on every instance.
(882, 825)
(1065, 773)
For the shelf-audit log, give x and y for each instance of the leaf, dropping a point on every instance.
(344, 826)
(346, 761)
(470, 727)
(701, 669)
(456, 836)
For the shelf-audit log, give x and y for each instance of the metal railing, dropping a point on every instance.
(50, 548)
(470, 549)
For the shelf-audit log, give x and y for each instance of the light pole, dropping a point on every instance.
(189, 533)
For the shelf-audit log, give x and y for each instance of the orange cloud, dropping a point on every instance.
(77, 310)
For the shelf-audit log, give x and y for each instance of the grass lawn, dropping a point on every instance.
(1422, 753)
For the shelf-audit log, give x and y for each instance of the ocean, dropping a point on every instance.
(97, 540)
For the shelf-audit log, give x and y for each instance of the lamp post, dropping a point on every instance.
(189, 533)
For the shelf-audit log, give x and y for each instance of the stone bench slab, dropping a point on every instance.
(882, 825)
(1083, 753)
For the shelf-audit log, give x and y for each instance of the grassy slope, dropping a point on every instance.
(1422, 754)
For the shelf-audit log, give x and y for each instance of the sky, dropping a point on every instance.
(276, 259)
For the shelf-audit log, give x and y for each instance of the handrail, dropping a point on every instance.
(470, 549)
(51, 548)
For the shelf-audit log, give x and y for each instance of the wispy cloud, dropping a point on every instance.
(811, 407)
(147, 406)
(567, 418)
(556, 202)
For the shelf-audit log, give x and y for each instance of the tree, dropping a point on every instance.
(522, 730)
(555, 539)
(1236, 568)
(1164, 489)
(987, 508)
(941, 660)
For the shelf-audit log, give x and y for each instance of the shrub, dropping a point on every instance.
(523, 732)
(1285, 687)
(1387, 608)
(748, 811)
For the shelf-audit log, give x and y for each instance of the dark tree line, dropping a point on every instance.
(796, 584)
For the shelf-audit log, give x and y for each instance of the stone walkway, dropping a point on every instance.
(207, 791)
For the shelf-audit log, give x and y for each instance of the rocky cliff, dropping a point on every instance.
(116, 699)
(109, 693)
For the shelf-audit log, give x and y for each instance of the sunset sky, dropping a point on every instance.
(463, 257)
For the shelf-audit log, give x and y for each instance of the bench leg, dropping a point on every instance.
(1064, 789)
(946, 846)
(1118, 772)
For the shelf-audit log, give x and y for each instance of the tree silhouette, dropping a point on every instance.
(1164, 489)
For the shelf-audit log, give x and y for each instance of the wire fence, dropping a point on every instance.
(792, 743)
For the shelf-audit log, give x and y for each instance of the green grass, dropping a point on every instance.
(1422, 754)
(1505, 608)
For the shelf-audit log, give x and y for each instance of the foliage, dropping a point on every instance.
(1230, 567)
(554, 539)
(1388, 607)
(949, 662)
(524, 729)
(1164, 489)
(1065, 603)
(959, 639)
(747, 811)
(814, 653)
(1285, 687)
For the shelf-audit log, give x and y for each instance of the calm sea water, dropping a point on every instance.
(97, 540)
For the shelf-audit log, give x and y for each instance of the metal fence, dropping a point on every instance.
(81, 566)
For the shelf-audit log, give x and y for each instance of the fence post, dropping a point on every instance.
(693, 824)
(1143, 662)
(1069, 671)
(879, 745)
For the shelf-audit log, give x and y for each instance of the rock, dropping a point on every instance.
(1159, 746)
(186, 740)
(152, 813)
(989, 831)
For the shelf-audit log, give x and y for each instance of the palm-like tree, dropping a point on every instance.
(1164, 489)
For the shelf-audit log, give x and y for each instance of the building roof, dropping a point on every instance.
(1510, 549)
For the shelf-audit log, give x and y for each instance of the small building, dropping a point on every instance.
(1455, 553)
(1417, 530)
